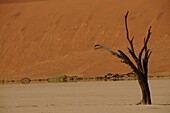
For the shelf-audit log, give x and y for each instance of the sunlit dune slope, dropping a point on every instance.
(45, 38)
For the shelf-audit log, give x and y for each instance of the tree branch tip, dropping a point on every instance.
(150, 27)
(132, 39)
(149, 54)
(144, 39)
(127, 13)
(119, 51)
(97, 46)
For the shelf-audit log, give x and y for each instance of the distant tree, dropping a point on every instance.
(140, 67)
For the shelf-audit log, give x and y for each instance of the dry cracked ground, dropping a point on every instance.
(84, 97)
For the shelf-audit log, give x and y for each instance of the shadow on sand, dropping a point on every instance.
(164, 104)
(19, 1)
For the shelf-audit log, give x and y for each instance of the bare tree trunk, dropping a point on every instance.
(146, 98)
(141, 66)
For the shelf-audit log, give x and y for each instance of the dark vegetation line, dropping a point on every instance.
(68, 78)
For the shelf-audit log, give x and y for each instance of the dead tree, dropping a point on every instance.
(140, 64)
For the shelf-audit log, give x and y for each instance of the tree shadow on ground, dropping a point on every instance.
(19, 1)
(163, 104)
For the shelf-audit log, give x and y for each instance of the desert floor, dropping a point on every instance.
(83, 97)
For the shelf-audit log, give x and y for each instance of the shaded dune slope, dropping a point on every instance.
(45, 38)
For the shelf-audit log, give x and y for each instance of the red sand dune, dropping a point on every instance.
(45, 38)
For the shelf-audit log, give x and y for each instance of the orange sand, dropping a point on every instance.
(44, 38)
